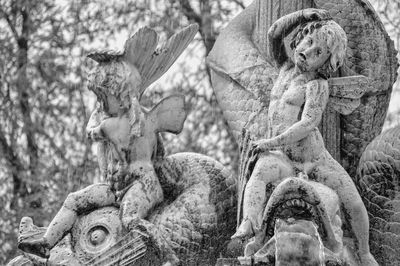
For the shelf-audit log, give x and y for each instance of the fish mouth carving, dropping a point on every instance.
(299, 203)
(297, 209)
(299, 199)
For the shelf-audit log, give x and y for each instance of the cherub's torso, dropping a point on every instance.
(287, 100)
(128, 157)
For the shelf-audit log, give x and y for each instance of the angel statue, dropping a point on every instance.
(127, 136)
(292, 144)
(298, 100)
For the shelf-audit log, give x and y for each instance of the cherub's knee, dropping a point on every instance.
(71, 202)
(263, 169)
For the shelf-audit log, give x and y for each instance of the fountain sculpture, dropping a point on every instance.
(304, 86)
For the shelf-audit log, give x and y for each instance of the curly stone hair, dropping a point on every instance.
(336, 41)
(115, 77)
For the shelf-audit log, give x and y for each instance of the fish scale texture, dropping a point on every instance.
(199, 214)
(241, 109)
(378, 174)
(243, 77)
(371, 53)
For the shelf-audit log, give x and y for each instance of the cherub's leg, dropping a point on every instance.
(143, 196)
(269, 169)
(332, 174)
(94, 196)
(145, 193)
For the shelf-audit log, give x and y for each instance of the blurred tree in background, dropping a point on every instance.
(44, 104)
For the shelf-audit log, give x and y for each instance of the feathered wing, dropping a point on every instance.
(346, 92)
(140, 47)
(242, 75)
(141, 52)
(166, 55)
(152, 62)
(169, 114)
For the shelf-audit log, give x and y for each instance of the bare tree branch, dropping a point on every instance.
(9, 22)
(189, 12)
(239, 3)
(22, 88)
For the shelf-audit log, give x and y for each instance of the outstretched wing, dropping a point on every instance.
(346, 92)
(152, 62)
(141, 52)
(140, 47)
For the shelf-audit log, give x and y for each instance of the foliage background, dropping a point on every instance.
(44, 105)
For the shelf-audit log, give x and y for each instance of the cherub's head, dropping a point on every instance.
(114, 81)
(121, 78)
(319, 46)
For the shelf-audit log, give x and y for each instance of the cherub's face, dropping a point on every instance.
(312, 52)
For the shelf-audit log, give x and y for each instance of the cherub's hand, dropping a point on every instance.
(315, 14)
(262, 145)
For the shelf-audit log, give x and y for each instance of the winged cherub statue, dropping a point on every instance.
(297, 101)
(127, 134)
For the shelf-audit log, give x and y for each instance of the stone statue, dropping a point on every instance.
(151, 209)
(303, 104)
(301, 223)
(275, 93)
(294, 143)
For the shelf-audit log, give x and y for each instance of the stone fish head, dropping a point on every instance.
(301, 224)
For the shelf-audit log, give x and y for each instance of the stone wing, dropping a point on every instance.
(152, 62)
(346, 92)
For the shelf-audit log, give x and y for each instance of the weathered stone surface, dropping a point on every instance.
(371, 53)
(298, 202)
(378, 174)
(202, 217)
(152, 209)
(244, 75)
(96, 232)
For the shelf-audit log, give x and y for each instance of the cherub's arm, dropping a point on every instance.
(283, 26)
(316, 98)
